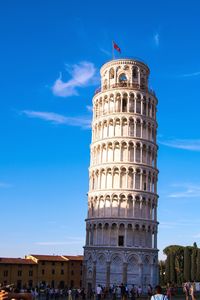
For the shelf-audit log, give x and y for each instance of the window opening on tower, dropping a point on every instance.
(123, 80)
(121, 240)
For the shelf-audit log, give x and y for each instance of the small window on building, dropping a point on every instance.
(43, 263)
(72, 264)
(121, 240)
(72, 283)
(62, 272)
(124, 105)
(31, 273)
(53, 263)
(145, 186)
(30, 283)
(19, 284)
(62, 264)
(52, 283)
(134, 73)
(43, 271)
(53, 271)
(5, 273)
(72, 272)
(19, 273)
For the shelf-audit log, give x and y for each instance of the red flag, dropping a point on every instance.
(116, 47)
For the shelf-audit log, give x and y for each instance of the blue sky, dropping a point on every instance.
(46, 111)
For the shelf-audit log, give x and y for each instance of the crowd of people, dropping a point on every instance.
(116, 292)
(189, 290)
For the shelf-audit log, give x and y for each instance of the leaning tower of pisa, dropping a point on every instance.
(121, 226)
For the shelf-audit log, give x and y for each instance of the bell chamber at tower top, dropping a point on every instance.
(124, 88)
(124, 73)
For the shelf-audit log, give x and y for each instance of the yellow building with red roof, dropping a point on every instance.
(57, 271)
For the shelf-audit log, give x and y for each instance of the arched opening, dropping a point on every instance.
(131, 103)
(123, 178)
(113, 235)
(130, 178)
(124, 103)
(111, 73)
(123, 81)
(115, 207)
(130, 207)
(109, 179)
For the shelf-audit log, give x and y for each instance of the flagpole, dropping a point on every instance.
(113, 50)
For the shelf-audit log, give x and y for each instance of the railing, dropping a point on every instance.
(125, 85)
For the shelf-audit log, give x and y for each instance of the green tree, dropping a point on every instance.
(162, 272)
(167, 269)
(194, 264)
(172, 267)
(198, 266)
(187, 264)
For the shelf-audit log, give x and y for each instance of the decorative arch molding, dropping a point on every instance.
(124, 126)
(112, 102)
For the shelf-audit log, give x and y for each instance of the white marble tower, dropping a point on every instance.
(121, 226)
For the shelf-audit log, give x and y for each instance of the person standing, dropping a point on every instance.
(69, 294)
(123, 291)
(192, 291)
(99, 291)
(4, 295)
(139, 291)
(186, 289)
(133, 292)
(169, 291)
(149, 291)
(158, 294)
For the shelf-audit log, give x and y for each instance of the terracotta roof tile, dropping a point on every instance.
(74, 257)
(22, 261)
(47, 257)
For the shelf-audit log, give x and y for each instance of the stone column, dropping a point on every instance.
(141, 153)
(155, 240)
(87, 236)
(140, 273)
(134, 174)
(125, 235)
(128, 101)
(155, 212)
(84, 276)
(94, 277)
(152, 274)
(124, 278)
(134, 149)
(108, 275)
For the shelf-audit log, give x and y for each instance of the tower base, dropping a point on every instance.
(111, 266)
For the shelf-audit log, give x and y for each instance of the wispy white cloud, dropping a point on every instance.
(89, 108)
(59, 119)
(5, 185)
(108, 53)
(82, 74)
(186, 191)
(194, 74)
(186, 144)
(156, 38)
(196, 236)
